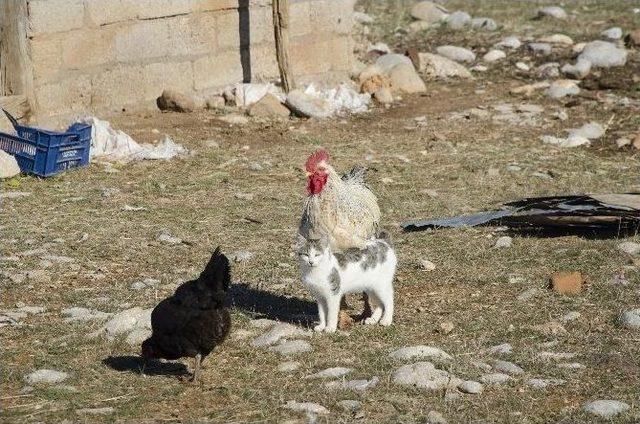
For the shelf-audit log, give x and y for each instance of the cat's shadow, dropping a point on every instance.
(264, 304)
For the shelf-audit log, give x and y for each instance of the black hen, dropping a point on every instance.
(195, 319)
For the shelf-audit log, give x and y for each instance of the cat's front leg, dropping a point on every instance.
(333, 310)
(322, 316)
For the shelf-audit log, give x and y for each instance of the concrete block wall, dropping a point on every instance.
(110, 55)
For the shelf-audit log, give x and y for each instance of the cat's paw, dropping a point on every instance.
(330, 329)
(385, 322)
(319, 327)
(370, 321)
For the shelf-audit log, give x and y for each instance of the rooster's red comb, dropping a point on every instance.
(317, 157)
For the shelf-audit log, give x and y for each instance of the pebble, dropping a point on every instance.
(137, 336)
(561, 88)
(543, 383)
(125, 322)
(281, 330)
(458, 20)
(146, 283)
(262, 323)
(435, 417)
(96, 411)
(580, 70)
(459, 54)
(606, 409)
(503, 242)
(83, 314)
(291, 347)
(502, 349)
(629, 247)
(240, 256)
(349, 405)
(334, 372)
(506, 367)
(561, 115)
(570, 316)
(487, 24)
(310, 407)
(422, 352)
(427, 265)
(630, 319)
(614, 33)
(494, 55)
(423, 375)
(603, 54)
(165, 237)
(14, 194)
(511, 42)
(471, 387)
(542, 48)
(552, 11)
(557, 39)
(256, 167)
(591, 131)
(436, 66)
(494, 378)
(528, 294)
(288, 366)
(46, 376)
(357, 385)
(522, 66)
(243, 196)
(548, 70)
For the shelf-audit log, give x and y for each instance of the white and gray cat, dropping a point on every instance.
(329, 276)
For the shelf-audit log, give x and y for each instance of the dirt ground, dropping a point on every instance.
(441, 165)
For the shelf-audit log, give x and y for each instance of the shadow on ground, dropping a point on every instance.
(263, 304)
(133, 364)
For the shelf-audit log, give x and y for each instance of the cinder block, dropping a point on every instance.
(46, 57)
(86, 48)
(310, 54)
(342, 53)
(261, 25)
(192, 35)
(264, 64)
(228, 25)
(70, 95)
(49, 16)
(217, 70)
(142, 40)
(332, 16)
(299, 17)
(103, 12)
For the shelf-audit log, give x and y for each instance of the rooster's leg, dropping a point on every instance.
(196, 370)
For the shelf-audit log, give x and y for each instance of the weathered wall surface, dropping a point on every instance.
(109, 55)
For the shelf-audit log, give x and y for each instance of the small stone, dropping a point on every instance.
(603, 54)
(436, 66)
(363, 18)
(479, 68)
(486, 24)
(269, 107)
(446, 327)
(504, 348)
(522, 66)
(561, 115)
(543, 383)
(256, 167)
(567, 282)
(435, 417)
(418, 26)
(165, 237)
(137, 336)
(428, 12)
(557, 39)
(291, 347)
(591, 130)
(553, 12)
(458, 20)
(96, 411)
(548, 70)
(281, 330)
(529, 89)
(357, 385)
(494, 378)
(606, 409)
(542, 48)
(8, 165)
(413, 352)
(422, 375)
(175, 101)
(427, 265)
(471, 387)
(126, 321)
(240, 256)
(458, 54)
(334, 372)
(308, 407)
(405, 78)
(622, 142)
(83, 314)
(561, 88)
(570, 316)
(383, 96)
(305, 105)
(215, 102)
(629, 247)
(528, 294)
(580, 70)
(511, 42)
(45, 376)
(289, 366)
(630, 319)
(503, 242)
(614, 33)
(506, 367)
(494, 56)
(243, 196)
(350, 405)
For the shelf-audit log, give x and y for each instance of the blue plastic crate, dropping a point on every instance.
(46, 153)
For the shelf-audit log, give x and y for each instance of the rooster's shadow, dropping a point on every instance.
(133, 364)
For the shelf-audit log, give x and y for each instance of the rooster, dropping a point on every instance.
(343, 209)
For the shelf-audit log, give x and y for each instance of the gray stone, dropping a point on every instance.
(262, 323)
(548, 70)
(277, 332)
(606, 409)
(435, 417)
(45, 376)
(506, 367)
(165, 237)
(8, 165)
(357, 385)
(405, 78)
(420, 352)
(334, 372)
(144, 284)
(591, 131)
(511, 42)
(175, 101)
(418, 26)
(269, 107)
(522, 66)
(471, 387)
(309, 407)
(561, 88)
(240, 256)
(528, 294)
(458, 54)
(385, 63)
(557, 39)
(543, 383)
(614, 33)
(291, 347)
(494, 378)
(363, 18)
(629, 247)
(125, 322)
(553, 12)
(436, 66)
(289, 366)
(630, 319)
(603, 54)
(542, 48)
(349, 405)
(137, 336)
(428, 12)
(504, 348)
(458, 20)
(487, 24)
(423, 375)
(503, 242)
(494, 56)
(83, 314)
(580, 70)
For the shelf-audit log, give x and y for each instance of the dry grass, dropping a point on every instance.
(194, 198)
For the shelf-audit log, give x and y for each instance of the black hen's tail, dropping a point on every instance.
(217, 273)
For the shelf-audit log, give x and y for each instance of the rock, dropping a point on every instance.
(503, 242)
(543, 383)
(494, 56)
(428, 12)
(405, 78)
(622, 142)
(436, 66)
(606, 409)
(511, 42)
(358, 385)
(165, 236)
(506, 367)
(591, 130)
(528, 294)
(385, 64)
(580, 70)
(240, 256)
(633, 38)
(262, 323)
(484, 23)
(96, 411)
(522, 66)
(471, 387)
(529, 108)
(435, 417)
(8, 165)
(422, 375)
(215, 102)
(427, 265)
(83, 314)
(629, 247)
(494, 378)
(269, 107)
(350, 405)
(288, 366)
(567, 282)
(571, 141)
(557, 39)
(446, 327)
(307, 106)
(630, 319)
(279, 331)
(504, 348)
(561, 115)
(383, 96)
(614, 33)
(542, 48)
(479, 68)
(561, 88)
(552, 12)
(45, 376)
(291, 347)
(548, 70)
(144, 284)
(127, 321)
(137, 336)
(422, 352)
(603, 54)
(458, 54)
(334, 372)
(570, 316)
(308, 407)
(458, 20)
(175, 101)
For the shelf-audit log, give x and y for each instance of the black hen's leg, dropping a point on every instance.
(196, 370)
